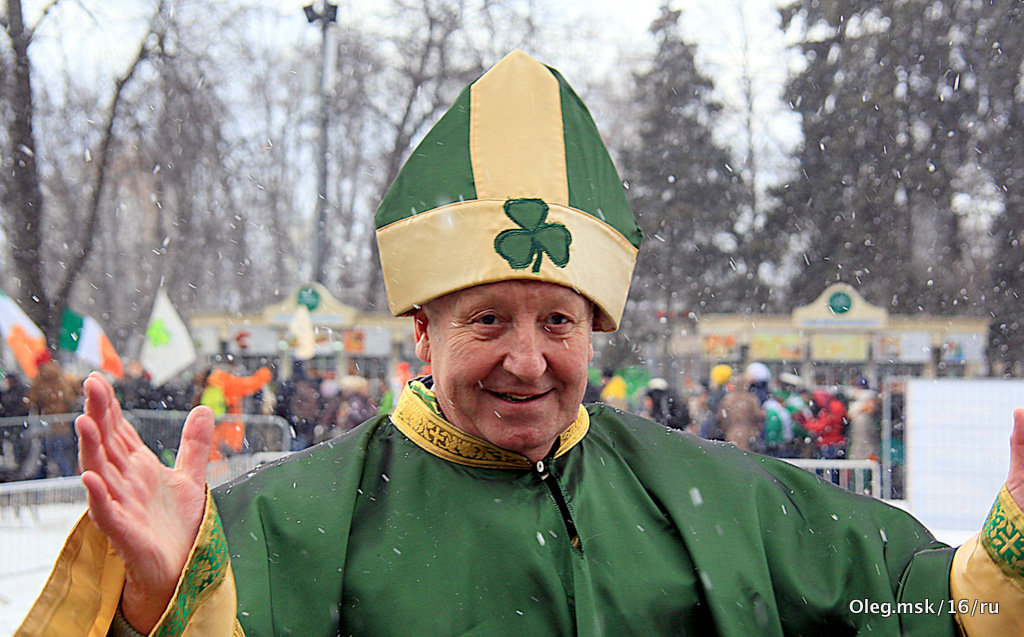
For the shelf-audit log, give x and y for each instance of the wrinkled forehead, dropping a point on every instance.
(512, 294)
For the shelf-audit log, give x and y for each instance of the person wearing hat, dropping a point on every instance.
(711, 428)
(491, 502)
(757, 377)
(663, 405)
(614, 391)
(742, 416)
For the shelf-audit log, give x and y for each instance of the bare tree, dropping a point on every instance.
(25, 206)
(445, 46)
(23, 197)
(191, 165)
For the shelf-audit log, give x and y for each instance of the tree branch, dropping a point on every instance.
(77, 262)
(46, 11)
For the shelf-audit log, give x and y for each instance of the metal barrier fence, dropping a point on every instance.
(36, 515)
(46, 446)
(859, 476)
(217, 473)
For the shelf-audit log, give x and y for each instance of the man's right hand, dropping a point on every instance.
(149, 512)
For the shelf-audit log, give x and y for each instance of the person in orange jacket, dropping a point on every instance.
(223, 393)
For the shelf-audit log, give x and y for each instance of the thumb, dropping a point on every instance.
(1015, 481)
(194, 451)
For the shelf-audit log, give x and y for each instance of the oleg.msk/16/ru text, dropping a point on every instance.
(931, 607)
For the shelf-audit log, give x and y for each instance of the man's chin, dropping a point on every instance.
(524, 438)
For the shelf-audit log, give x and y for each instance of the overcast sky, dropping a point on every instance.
(103, 36)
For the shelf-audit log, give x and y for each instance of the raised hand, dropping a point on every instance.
(1015, 481)
(149, 512)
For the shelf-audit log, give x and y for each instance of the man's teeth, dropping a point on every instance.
(515, 399)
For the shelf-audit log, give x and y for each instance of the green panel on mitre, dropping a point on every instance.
(594, 184)
(437, 173)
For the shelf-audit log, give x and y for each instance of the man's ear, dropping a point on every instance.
(419, 326)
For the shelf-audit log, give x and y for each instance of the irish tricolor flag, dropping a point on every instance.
(24, 338)
(84, 336)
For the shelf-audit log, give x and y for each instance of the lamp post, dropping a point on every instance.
(325, 16)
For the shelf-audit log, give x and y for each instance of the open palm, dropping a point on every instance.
(150, 513)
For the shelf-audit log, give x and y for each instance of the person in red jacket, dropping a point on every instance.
(828, 424)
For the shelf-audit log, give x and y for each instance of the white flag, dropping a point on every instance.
(168, 348)
(301, 330)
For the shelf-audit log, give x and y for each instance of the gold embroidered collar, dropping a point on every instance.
(418, 416)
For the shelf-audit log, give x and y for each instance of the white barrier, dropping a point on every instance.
(217, 473)
(859, 476)
(28, 446)
(957, 448)
(36, 515)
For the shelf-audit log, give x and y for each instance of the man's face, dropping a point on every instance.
(509, 360)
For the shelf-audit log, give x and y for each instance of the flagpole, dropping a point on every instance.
(325, 16)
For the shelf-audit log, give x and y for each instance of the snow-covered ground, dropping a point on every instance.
(36, 517)
(30, 541)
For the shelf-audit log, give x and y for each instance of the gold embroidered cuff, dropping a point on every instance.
(1003, 537)
(204, 571)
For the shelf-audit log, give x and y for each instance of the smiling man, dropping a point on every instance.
(491, 502)
(510, 361)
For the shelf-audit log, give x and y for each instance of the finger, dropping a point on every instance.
(120, 427)
(90, 445)
(194, 451)
(1015, 481)
(116, 433)
(129, 436)
(98, 449)
(109, 517)
(103, 508)
(95, 397)
(92, 457)
(97, 403)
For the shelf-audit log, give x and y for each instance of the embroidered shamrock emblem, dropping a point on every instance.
(533, 238)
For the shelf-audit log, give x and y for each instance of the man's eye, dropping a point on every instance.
(487, 319)
(558, 319)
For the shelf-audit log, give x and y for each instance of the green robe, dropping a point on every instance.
(375, 534)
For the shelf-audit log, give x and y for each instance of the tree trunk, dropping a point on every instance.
(24, 199)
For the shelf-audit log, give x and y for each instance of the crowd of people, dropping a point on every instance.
(315, 406)
(779, 416)
(51, 393)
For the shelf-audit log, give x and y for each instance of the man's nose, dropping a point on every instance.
(525, 356)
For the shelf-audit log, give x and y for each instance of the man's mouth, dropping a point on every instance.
(518, 398)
